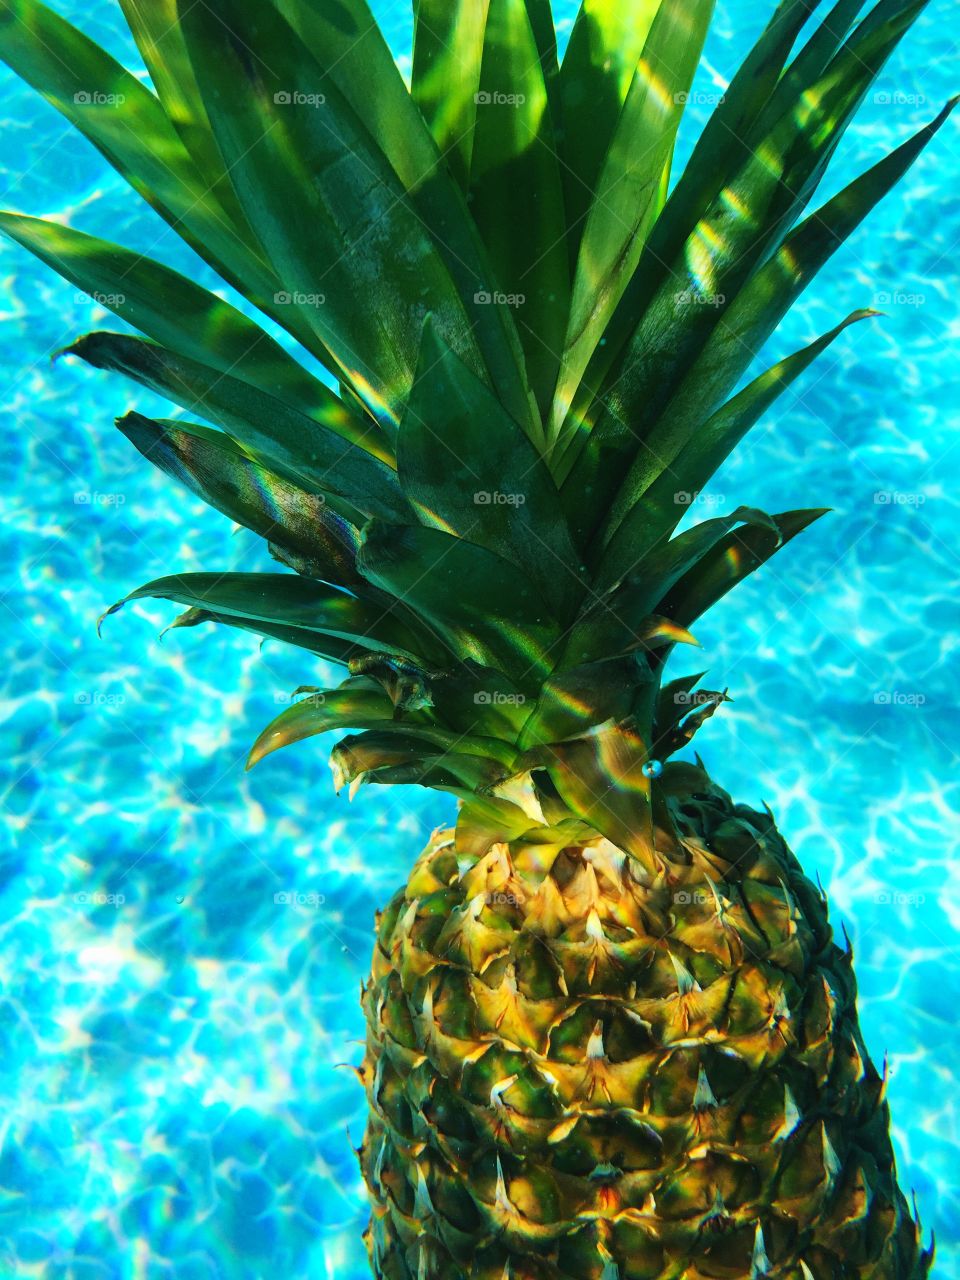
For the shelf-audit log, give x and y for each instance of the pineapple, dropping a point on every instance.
(610, 1036)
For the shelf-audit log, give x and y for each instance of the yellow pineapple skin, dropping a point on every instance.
(581, 1068)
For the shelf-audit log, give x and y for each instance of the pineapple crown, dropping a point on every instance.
(535, 340)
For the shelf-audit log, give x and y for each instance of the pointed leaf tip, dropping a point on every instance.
(114, 608)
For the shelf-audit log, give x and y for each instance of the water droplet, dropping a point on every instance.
(652, 769)
(179, 897)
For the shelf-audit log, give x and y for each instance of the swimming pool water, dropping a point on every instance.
(173, 1095)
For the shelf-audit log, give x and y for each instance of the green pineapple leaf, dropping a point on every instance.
(287, 600)
(487, 609)
(661, 507)
(596, 73)
(320, 643)
(599, 459)
(465, 467)
(358, 703)
(128, 125)
(302, 529)
(731, 560)
(412, 756)
(188, 319)
(516, 193)
(630, 183)
(324, 203)
(156, 29)
(281, 436)
(447, 55)
(349, 47)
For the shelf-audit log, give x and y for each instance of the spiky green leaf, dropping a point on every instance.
(301, 528)
(280, 435)
(466, 468)
(487, 609)
(627, 200)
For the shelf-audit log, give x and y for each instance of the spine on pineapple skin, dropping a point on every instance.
(578, 1070)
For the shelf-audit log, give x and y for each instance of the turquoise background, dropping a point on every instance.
(173, 1099)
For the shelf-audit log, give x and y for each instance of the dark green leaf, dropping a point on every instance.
(731, 560)
(319, 643)
(597, 70)
(156, 29)
(516, 191)
(486, 609)
(630, 184)
(327, 207)
(350, 48)
(128, 125)
(466, 468)
(695, 303)
(355, 704)
(600, 778)
(412, 757)
(578, 699)
(189, 320)
(282, 437)
(285, 600)
(447, 56)
(302, 529)
(660, 508)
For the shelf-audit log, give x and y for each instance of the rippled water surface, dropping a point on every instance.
(173, 1101)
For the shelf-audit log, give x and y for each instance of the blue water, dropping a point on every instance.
(173, 1100)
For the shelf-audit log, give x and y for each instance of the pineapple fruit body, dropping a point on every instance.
(578, 1069)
